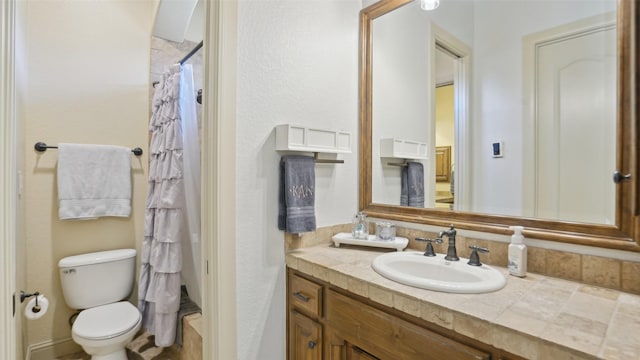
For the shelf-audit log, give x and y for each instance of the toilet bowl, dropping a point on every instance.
(98, 283)
(104, 331)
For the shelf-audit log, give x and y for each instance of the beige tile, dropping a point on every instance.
(338, 279)
(563, 265)
(340, 228)
(620, 344)
(516, 343)
(548, 351)
(498, 255)
(291, 261)
(437, 315)
(601, 271)
(576, 332)
(407, 304)
(520, 318)
(473, 328)
(292, 242)
(536, 260)
(600, 292)
(582, 305)
(615, 350)
(380, 295)
(543, 302)
(191, 343)
(358, 286)
(465, 252)
(629, 305)
(631, 277)
(402, 232)
(323, 236)
(305, 266)
(321, 272)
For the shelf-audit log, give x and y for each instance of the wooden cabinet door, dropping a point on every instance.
(337, 348)
(305, 338)
(389, 337)
(356, 353)
(443, 163)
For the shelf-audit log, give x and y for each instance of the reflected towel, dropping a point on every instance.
(296, 198)
(404, 187)
(412, 186)
(93, 181)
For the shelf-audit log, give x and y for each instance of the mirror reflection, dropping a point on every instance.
(497, 107)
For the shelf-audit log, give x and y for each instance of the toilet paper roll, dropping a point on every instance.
(31, 312)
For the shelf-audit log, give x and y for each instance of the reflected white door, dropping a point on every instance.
(576, 127)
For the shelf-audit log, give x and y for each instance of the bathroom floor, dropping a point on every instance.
(141, 348)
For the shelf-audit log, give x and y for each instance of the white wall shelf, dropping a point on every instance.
(302, 138)
(403, 149)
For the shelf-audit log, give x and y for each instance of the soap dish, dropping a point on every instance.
(398, 243)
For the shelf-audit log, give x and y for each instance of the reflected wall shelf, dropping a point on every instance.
(403, 149)
(306, 139)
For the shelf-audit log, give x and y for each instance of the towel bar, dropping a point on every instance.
(42, 147)
(325, 161)
(402, 164)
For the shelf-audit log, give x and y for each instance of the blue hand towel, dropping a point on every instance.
(296, 200)
(415, 179)
(412, 186)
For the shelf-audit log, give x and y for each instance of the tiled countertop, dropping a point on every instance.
(536, 317)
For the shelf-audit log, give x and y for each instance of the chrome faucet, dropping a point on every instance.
(452, 254)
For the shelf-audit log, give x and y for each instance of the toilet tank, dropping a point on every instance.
(97, 278)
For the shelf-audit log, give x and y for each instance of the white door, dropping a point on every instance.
(576, 127)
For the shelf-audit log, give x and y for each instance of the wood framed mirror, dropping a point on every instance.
(621, 232)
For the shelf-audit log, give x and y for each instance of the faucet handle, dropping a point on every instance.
(429, 251)
(474, 258)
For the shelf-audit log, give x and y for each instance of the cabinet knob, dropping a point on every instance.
(312, 344)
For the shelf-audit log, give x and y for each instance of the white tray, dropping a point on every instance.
(345, 238)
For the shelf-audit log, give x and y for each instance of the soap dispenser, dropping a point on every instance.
(517, 253)
(360, 226)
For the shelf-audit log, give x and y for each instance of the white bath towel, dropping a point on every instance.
(93, 181)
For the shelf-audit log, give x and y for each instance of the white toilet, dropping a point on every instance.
(96, 283)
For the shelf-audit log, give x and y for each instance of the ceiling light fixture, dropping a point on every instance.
(429, 5)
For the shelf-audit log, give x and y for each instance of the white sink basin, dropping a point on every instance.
(436, 273)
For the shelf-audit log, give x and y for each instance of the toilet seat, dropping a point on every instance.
(106, 321)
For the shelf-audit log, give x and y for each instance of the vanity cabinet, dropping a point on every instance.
(325, 322)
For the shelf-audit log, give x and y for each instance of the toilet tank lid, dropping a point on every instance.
(96, 257)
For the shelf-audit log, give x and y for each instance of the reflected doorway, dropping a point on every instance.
(444, 128)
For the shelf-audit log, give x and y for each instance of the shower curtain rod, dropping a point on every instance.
(190, 54)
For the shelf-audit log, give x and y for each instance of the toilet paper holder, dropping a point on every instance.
(24, 296)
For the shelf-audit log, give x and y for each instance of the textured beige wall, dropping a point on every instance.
(86, 82)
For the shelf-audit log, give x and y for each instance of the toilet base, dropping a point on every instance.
(117, 355)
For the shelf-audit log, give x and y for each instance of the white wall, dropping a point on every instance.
(297, 63)
(403, 88)
(401, 92)
(497, 93)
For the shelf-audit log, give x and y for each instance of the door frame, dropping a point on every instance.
(219, 181)
(461, 88)
(8, 183)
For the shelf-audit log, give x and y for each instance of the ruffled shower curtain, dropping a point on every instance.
(161, 261)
